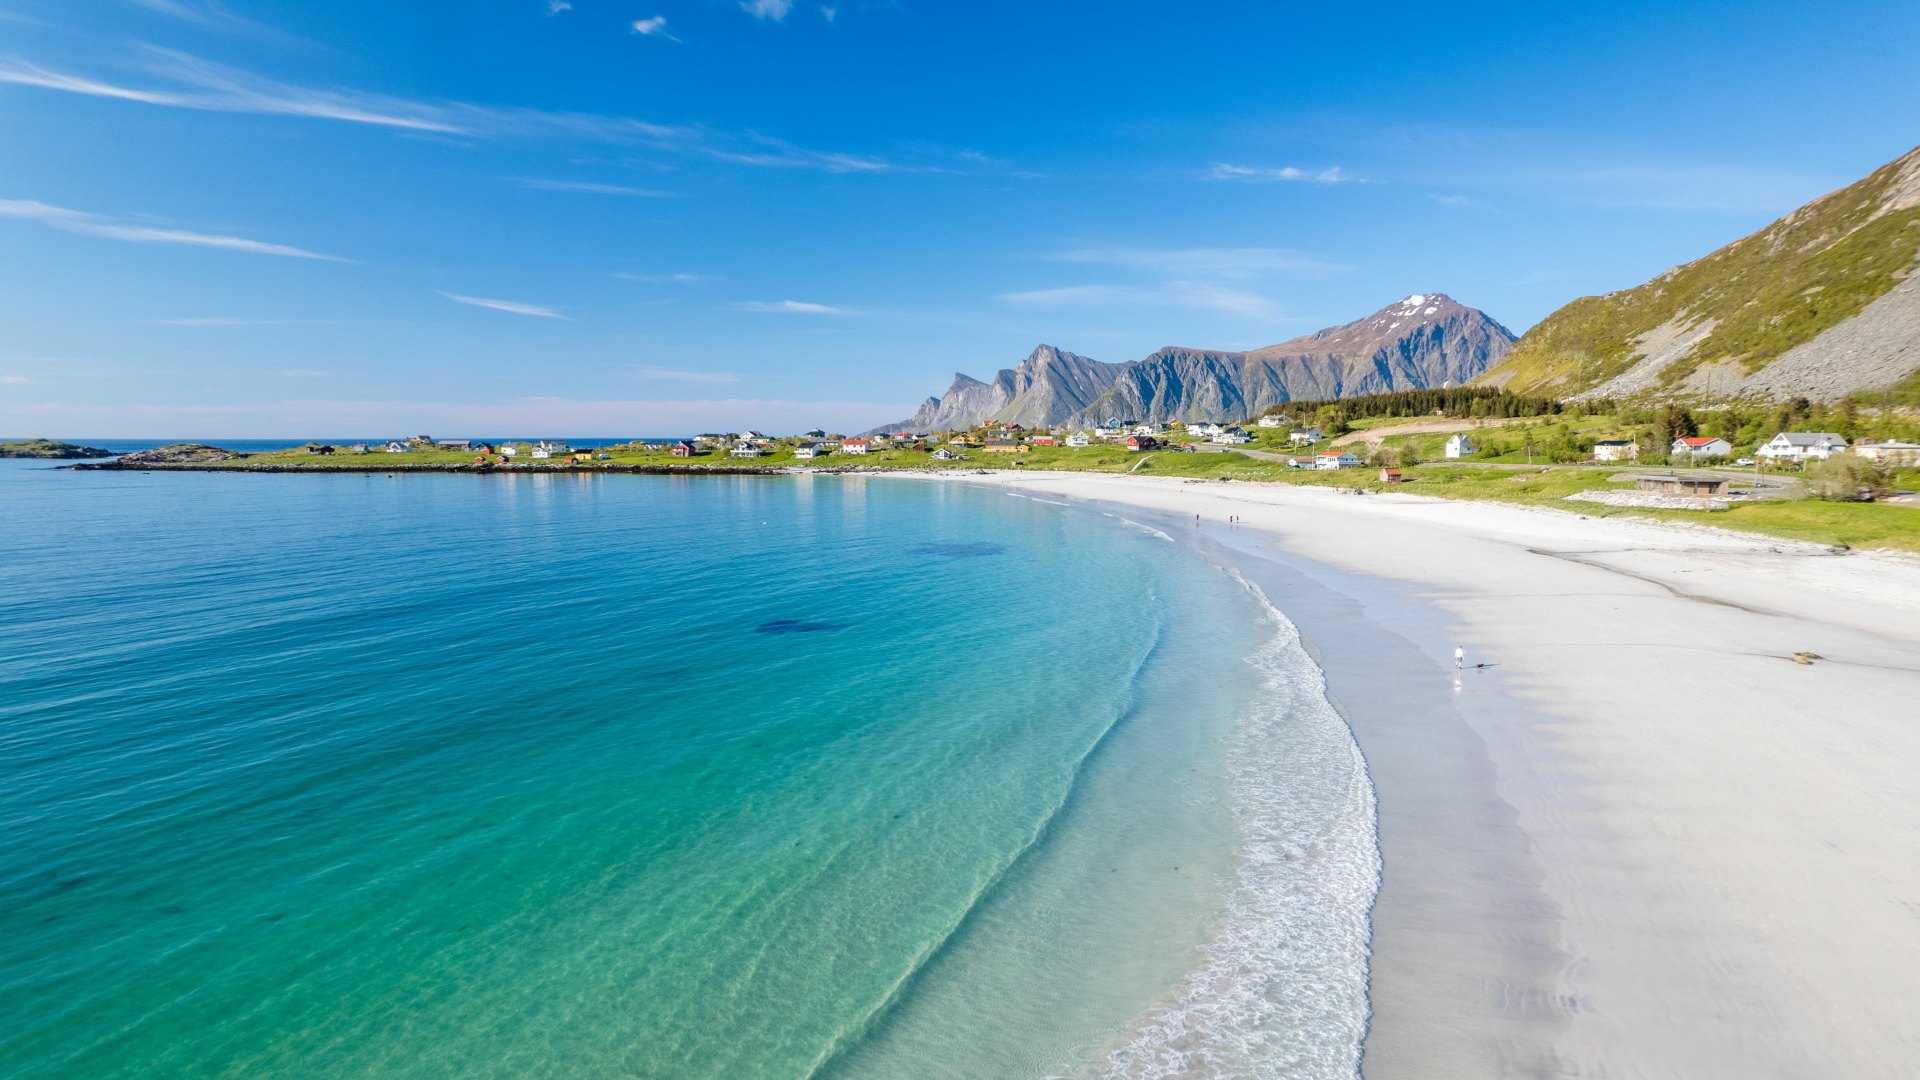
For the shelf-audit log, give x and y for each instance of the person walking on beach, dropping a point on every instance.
(1459, 657)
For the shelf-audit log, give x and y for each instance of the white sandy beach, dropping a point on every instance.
(1645, 843)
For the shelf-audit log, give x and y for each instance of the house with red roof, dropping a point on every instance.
(1701, 447)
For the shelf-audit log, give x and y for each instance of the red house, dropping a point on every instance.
(682, 449)
(1142, 442)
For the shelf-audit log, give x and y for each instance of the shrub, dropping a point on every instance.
(1845, 478)
(1393, 456)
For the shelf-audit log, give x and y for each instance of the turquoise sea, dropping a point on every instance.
(636, 776)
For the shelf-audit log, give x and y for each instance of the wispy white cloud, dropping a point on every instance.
(512, 307)
(655, 26)
(382, 418)
(591, 188)
(1184, 294)
(305, 373)
(78, 221)
(675, 279)
(217, 89)
(1286, 173)
(773, 10)
(777, 153)
(829, 12)
(555, 7)
(211, 14)
(201, 85)
(671, 375)
(791, 307)
(222, 320)
(15, 380)
(1205, 262)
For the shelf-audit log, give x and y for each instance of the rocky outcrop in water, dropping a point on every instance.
(181, 454)
(50, 449)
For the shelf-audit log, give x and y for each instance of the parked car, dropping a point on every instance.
(1744, 461)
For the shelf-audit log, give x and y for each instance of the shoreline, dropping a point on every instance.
(1645, 842)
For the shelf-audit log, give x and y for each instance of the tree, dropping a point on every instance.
(1845, 478)
(1675, 422)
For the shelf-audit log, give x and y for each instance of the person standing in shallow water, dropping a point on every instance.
(1459, 657)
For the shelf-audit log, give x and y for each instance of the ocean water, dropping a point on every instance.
(259, 446)
(631, 776)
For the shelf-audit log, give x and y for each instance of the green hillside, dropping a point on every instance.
(1780, 287)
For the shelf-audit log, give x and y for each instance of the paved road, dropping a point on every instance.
(1772, 480)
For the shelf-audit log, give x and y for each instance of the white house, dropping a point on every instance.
(751, 436)
(1700, 446)
(1893, 452)
(1273, 420)
(508, 449)
(550, 447)
(854, 446)
(1306, 436)
(1339, 460)
(1079, 438)
(1149, 429)
(1232, 437)
(358, 448)
(1615, 450)
(541, 452)
(1459, 446)
(395, 447)
(947, 454)
(743, 448)
(1801, 445)
(808, 450)
(1205, 430)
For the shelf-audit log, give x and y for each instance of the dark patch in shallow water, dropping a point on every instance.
(960, 551)
(795, 626)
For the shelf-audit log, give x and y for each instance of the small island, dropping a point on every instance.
(49, 448)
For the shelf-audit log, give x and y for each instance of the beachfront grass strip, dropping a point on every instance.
(1859, 525)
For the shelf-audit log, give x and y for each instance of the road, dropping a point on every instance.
(1769, 480)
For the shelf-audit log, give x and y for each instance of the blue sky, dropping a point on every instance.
(261, 218)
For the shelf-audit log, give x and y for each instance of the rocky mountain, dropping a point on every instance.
(1048, 386)
(1424, 340)
(1820, 304)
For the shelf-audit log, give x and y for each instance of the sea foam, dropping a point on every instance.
(1281, 989)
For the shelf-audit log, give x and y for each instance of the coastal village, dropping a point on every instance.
(1312, 448)
(1763, 471)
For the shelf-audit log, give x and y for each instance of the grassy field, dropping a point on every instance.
(1861, 525)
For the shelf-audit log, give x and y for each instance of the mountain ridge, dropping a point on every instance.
(1819, 304)
(1427, 339)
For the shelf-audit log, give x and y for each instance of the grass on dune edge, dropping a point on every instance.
(1856, 525)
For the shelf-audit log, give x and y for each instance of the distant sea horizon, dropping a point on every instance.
(261, 446)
